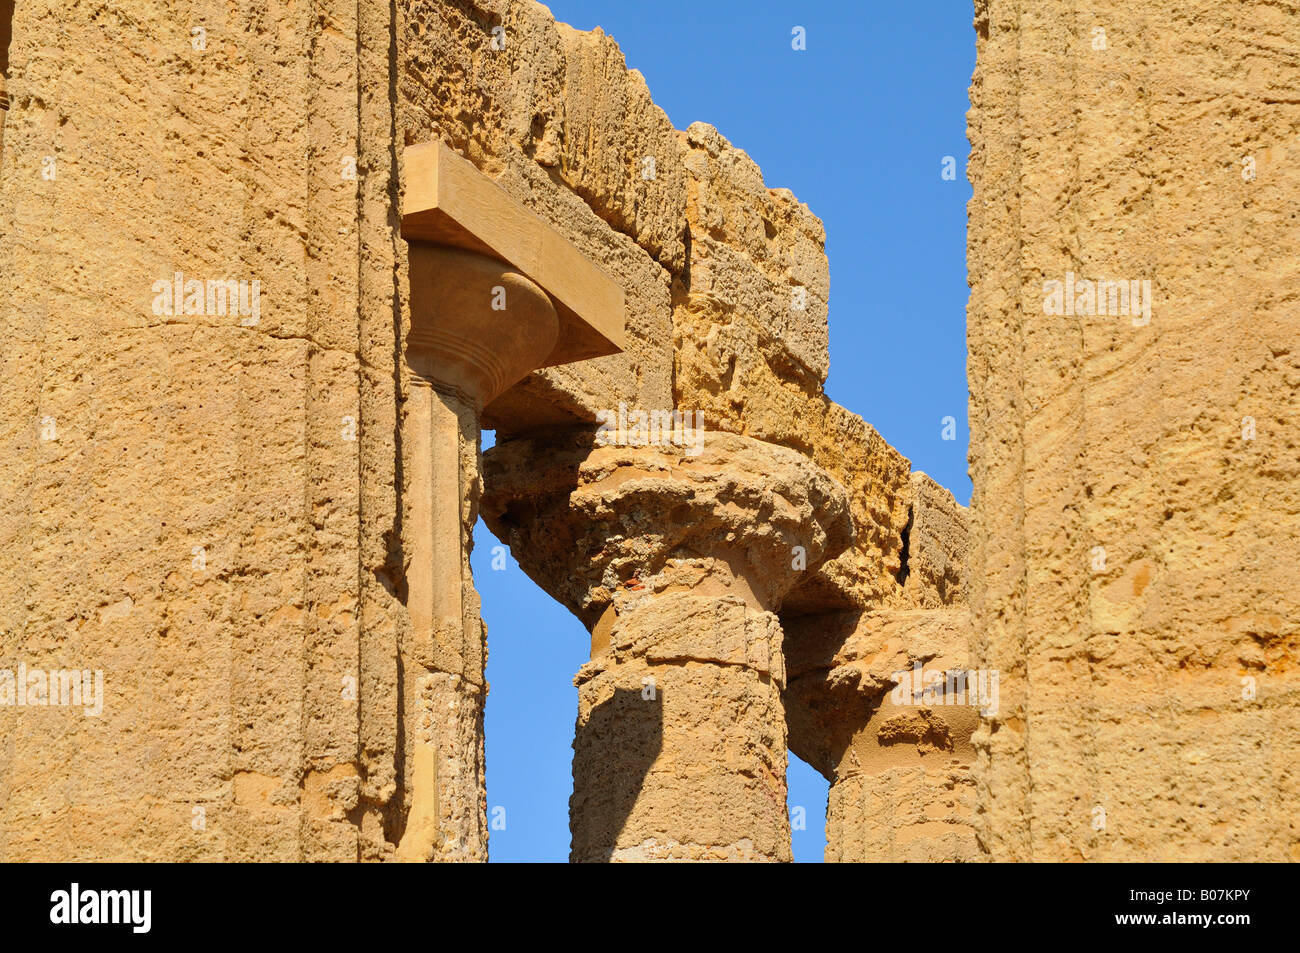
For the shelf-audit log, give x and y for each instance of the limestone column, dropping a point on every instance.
(495, 292)
(882, 701)
(477, 326)
(884, 705)
(677, 558)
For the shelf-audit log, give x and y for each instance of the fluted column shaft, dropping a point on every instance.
(680, 749)
(476, 328)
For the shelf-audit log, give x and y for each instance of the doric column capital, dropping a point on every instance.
(676, 557)
(477, 325)
(884, 704)
(844, 670)
(600, 525)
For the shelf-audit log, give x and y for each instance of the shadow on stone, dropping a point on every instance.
(606, 790)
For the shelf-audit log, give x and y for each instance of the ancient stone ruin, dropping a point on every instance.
(265, 278)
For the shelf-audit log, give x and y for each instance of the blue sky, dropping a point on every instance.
(857, 126)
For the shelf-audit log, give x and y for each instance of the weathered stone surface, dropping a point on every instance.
(750, 354)
(900, 771)
(502, 82)
(556, 118)
(880, 498)
(680, 750)
(1133, 538)
(756, 252)
(619, 150)
(178, 506)
(749, 311)
(597, 541)
(899, 761)
(640, 376)
(675, 557)
(936, 546)
(6, 34)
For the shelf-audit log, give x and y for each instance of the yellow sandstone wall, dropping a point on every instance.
(209, 510)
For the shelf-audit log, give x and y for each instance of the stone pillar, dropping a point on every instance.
(495, 293)
(884, 706)
(1135, 461)
(879, 699)
(676, 558)
(477, 327)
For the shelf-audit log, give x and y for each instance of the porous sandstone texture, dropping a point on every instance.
(554, 116)
(214, 507)
(677, 561)
(880, 701)
(899, 755)
(200, 504)
(211, 507)
(1137, 477)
